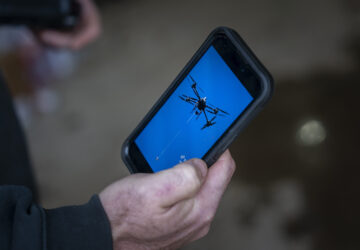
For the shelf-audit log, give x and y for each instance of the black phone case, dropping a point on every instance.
(40, 14)
(218, 149)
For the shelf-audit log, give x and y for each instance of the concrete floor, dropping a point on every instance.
(76, 150)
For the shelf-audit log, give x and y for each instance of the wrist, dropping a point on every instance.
(116, 208)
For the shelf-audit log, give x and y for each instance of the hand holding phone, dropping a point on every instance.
(214, 97)
(180, 203)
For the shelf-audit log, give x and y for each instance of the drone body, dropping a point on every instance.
(201, 106)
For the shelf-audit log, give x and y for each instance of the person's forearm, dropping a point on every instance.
(25, 225)
(79, 227)
(21, 221)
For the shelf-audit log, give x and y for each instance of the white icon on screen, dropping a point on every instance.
(182, 159)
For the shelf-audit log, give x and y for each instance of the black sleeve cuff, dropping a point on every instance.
(83, 227)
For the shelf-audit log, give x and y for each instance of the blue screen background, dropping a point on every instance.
(174, 134)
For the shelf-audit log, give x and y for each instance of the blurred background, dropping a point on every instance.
(296, 186)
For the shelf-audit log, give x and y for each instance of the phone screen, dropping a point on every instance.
(203, 106)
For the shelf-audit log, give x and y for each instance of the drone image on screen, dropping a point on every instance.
(201, 106)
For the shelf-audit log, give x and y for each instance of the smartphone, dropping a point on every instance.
(213, 98)
(40, 14)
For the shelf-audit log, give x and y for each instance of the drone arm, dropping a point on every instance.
(207, 120)
(196, 92)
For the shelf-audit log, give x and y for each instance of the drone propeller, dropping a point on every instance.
(210, 110)
(214, 112)
(216, 108)
(193, 99)
(188, 99)
(223, 111)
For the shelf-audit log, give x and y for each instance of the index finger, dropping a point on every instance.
(89, 28)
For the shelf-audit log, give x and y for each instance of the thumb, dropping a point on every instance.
(180, 182)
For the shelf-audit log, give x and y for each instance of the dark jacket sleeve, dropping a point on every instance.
(25, 225)
(15, 164)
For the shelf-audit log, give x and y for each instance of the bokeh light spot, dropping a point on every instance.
(311, 133)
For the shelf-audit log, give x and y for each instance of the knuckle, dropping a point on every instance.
(141, 193)
(142, 190)
(191, 177)
(199, 163)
